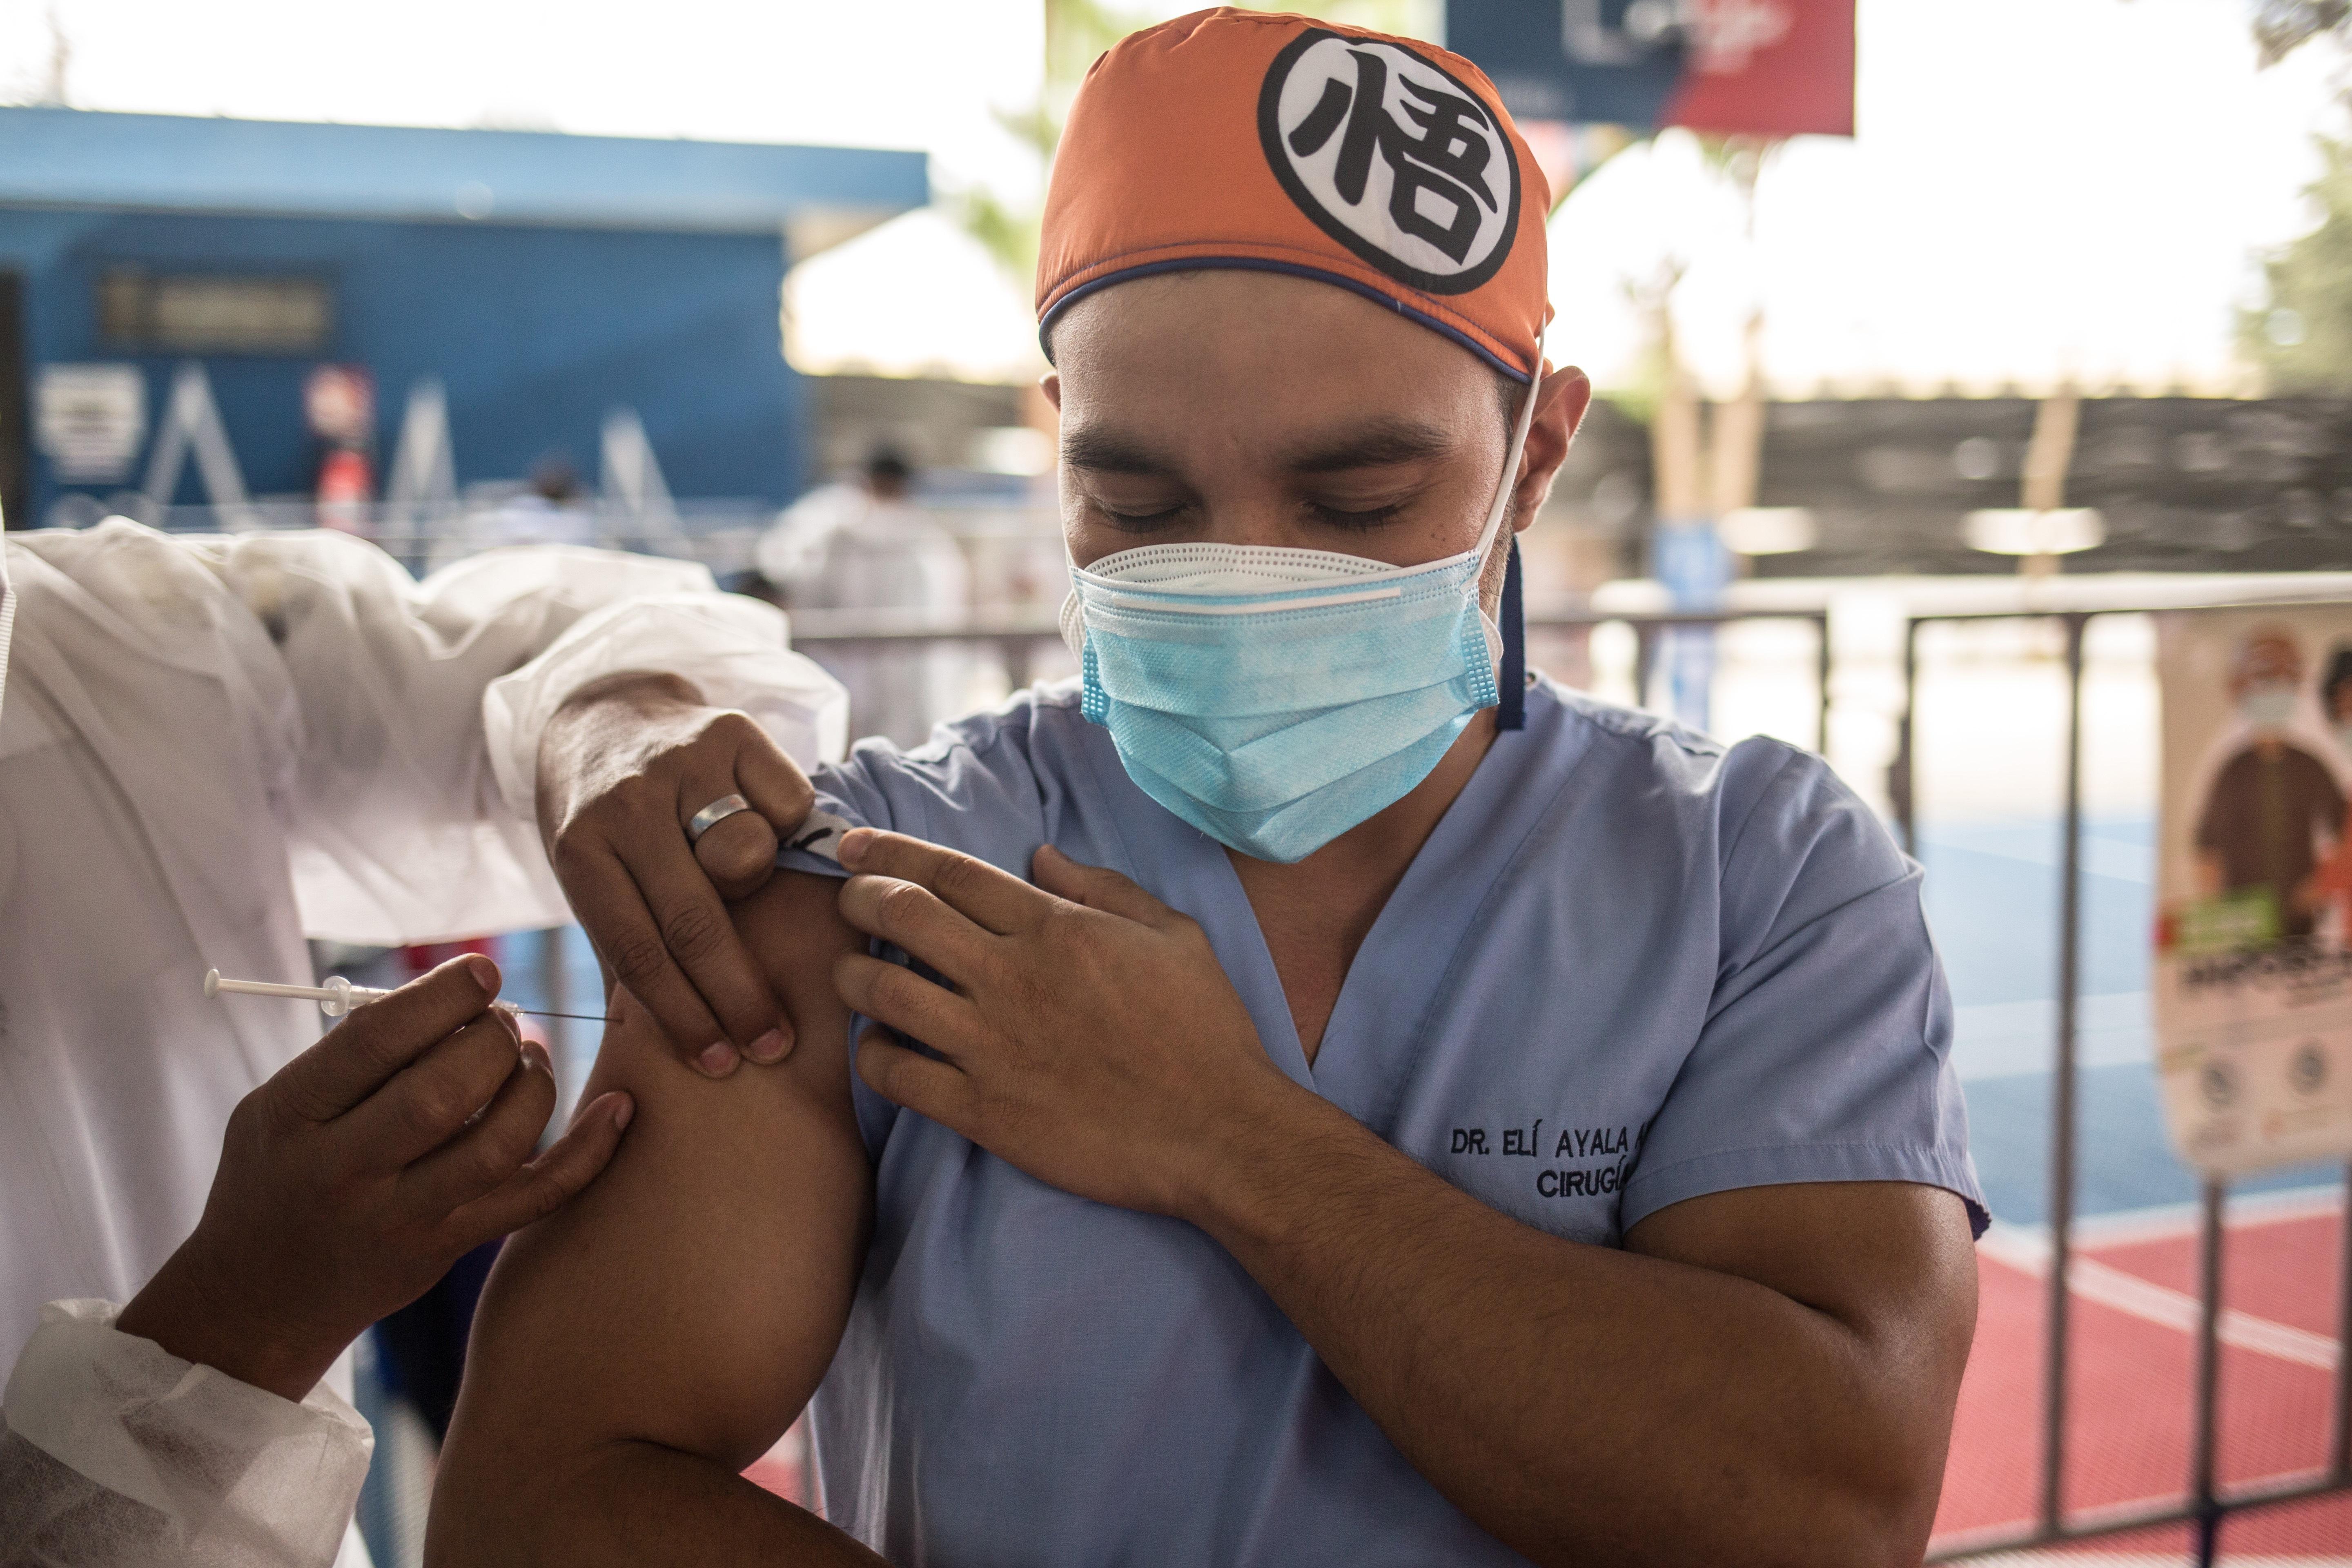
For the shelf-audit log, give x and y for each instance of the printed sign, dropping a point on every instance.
(2253, 939)
(1736, 68)
(89, 420)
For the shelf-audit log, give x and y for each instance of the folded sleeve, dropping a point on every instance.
(735, 650)
(117, 1454)
(1825, 1052)
(409, 815)
(395, 827)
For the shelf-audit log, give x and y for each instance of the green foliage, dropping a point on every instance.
(1009, 236)
(2301, 335)
(1076, 33)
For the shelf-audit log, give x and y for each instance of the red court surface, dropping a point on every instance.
(2133, 1356)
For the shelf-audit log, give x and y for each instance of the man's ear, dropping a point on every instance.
(1050, 384)
(1561, 403)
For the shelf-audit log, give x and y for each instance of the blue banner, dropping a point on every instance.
(1610, 62)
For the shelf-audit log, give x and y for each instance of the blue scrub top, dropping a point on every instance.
(1630, 966)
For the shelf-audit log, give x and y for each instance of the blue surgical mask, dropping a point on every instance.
(1275, 698)
(2269, 706)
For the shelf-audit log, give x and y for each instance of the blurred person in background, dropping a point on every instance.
(210, 746)
(862, 546)
(549, 512)
(2336, 697)
(2332, 882)
(2272, 805)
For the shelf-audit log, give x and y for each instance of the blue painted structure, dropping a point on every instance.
(600, 271)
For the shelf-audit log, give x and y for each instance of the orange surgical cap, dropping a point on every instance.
(1279, 143)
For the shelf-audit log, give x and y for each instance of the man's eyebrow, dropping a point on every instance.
(1387, 444)
(1110, 452)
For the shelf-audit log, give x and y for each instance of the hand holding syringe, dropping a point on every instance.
(408, 1134)
(337, 996)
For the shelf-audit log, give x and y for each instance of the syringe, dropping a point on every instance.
(337, 996)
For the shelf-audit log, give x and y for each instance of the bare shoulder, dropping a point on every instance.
(713, 1260)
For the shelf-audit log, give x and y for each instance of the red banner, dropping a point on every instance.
(1767, 68)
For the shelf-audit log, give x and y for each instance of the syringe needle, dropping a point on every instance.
(338, 997)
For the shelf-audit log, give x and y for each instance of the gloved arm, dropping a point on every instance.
(118, 1454)
(405, 819)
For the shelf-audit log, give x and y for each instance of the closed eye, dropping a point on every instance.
(1333, 517)
(1139, 522)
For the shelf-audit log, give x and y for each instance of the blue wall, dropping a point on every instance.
(536, 331)
(171, 162)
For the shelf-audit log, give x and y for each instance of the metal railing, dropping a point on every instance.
(2206, 1502)
(1016, 636)
(721, 533)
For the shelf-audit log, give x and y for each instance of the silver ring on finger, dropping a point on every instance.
(711, 816)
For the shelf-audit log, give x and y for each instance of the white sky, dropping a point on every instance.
(2040, 187)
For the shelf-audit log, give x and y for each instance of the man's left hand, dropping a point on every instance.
(1091, 1039)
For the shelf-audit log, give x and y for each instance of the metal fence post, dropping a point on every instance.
(1899, 776)
(2062, 1100)
(1821, 683)
(2339, 1462)
(2208, 1516)
(2206, 1504)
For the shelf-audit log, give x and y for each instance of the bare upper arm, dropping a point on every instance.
(693, 1296)
(1890, 1263)
(1885, 1258)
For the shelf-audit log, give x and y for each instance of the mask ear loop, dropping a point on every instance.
(1512, 679)
(7, 620)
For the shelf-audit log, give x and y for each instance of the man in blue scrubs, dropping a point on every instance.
(1347, 1103)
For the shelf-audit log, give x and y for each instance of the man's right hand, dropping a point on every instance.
(350, 1180)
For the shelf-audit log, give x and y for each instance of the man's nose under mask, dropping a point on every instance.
(1275, 719)
(1275, 698)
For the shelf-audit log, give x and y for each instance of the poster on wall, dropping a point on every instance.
(89, 420)
(2253, 935)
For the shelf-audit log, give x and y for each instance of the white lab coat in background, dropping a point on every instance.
(534, 519)
(210, 747)
(840, 547)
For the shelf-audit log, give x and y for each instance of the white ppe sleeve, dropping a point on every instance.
(734, 649)
(409, 821)
(359, 698)
(117, 1454)
(396, 830)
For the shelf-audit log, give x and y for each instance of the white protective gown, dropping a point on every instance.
(841, 548)
(209, 748)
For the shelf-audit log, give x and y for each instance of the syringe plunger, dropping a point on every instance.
(336, 998)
